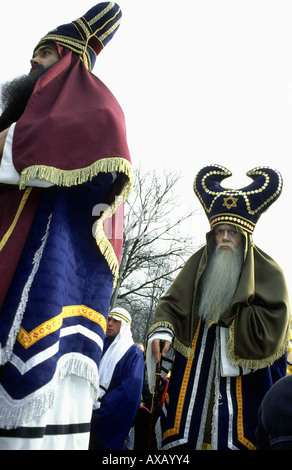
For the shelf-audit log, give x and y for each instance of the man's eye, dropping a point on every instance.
(46, 52)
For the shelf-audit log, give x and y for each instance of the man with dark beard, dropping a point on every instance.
(64, 152)
(228, 316)
(15, 94)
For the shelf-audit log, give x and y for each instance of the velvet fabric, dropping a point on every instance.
(71, 130)
(17, 208)
(71, 122)
(111, 422)
(53, 319)
(258, 318)
(204, 410)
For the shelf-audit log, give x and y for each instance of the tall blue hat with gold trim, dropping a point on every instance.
(241, 207)
(88, 35)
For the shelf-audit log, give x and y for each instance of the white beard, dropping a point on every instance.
(220, 282)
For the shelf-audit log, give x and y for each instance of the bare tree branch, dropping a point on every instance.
(155, 245)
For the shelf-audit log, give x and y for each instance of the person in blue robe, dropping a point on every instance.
(122, 373)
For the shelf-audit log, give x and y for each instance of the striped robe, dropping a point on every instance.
(60, 294)
(204, 410)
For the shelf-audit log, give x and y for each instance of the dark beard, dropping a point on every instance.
(15, 95)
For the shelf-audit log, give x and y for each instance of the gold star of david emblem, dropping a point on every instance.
(230, 201)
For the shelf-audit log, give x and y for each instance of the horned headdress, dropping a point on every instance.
(241, 207)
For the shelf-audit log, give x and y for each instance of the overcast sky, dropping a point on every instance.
(200, 82)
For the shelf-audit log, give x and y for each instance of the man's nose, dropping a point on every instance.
(226, 235)
(34, 61)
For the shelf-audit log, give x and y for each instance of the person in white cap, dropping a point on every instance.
(121, 378)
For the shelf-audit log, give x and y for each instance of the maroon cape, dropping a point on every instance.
(72, 129)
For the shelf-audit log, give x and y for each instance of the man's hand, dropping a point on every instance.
(3, 136)
(156, 349)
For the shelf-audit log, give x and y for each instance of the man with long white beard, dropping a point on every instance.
(221, 276)
(227, 314)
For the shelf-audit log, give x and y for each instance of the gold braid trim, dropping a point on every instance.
(178, 345)
(15, 220)
(253, 363)
(70, 178)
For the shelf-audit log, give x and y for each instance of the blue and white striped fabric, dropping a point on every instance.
(53, 321)
(203, 409)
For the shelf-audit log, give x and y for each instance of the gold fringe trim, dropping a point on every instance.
(182, 349)
(102, 241)
(70, 178)
(74, 177)
(253, 363)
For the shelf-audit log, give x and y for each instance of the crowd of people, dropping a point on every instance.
(214, 372)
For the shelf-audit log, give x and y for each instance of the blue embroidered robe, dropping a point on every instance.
(61, 294)
(111, 422)
(199, 397)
